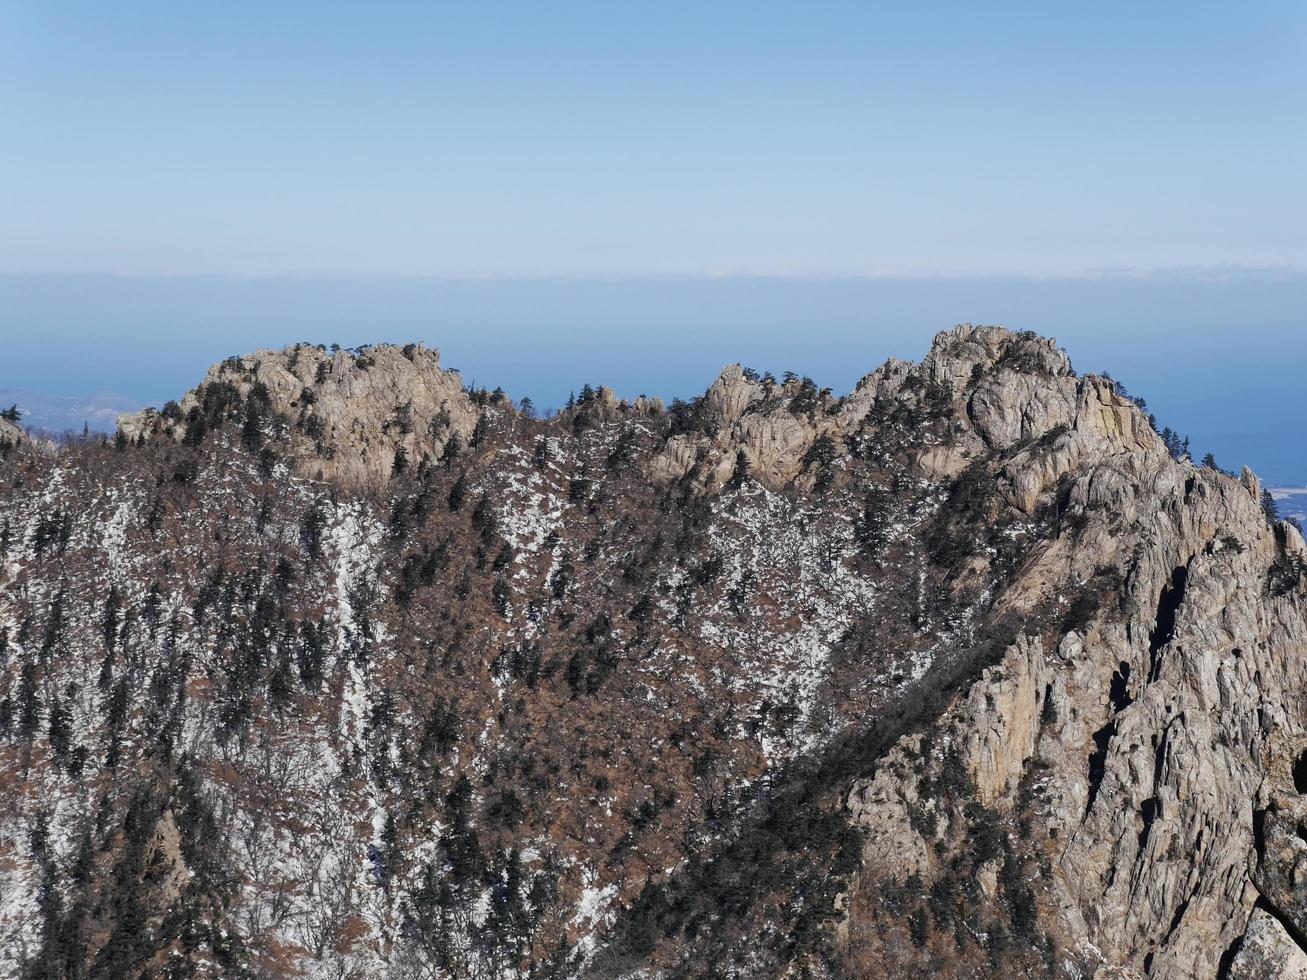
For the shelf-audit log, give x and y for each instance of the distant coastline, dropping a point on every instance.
(1292, 501)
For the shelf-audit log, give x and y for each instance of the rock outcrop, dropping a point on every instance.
(1267, 952)
(1006, 389)
(10, 433)
(347, 413)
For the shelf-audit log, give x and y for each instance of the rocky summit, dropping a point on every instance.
(336, 667)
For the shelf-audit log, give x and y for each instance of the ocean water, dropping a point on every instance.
(1292, 502)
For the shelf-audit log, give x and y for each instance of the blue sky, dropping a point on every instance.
(583, 139)
(640, 192)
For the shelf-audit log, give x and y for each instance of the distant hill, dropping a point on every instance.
(54, 414)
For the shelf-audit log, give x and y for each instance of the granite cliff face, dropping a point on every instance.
(1148, 751)
(336, 668)
(343, 414)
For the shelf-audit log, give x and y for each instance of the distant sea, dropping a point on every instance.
(54, 415)
(1292, 502)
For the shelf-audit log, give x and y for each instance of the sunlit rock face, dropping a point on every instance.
(335, 667)
(11, 433)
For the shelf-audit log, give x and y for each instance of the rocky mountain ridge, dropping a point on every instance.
(337, 668)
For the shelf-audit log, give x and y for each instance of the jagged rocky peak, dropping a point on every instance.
(1006, 387)
(958, 354)
(978, 389)
(345, 413)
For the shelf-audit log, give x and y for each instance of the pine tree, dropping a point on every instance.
(1175, 445)
(742, 469)
(251, 430)
(29, 707)
(196, 428)
(480, 432)
(1269, 506)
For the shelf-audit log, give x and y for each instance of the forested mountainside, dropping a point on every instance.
(336, 668)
